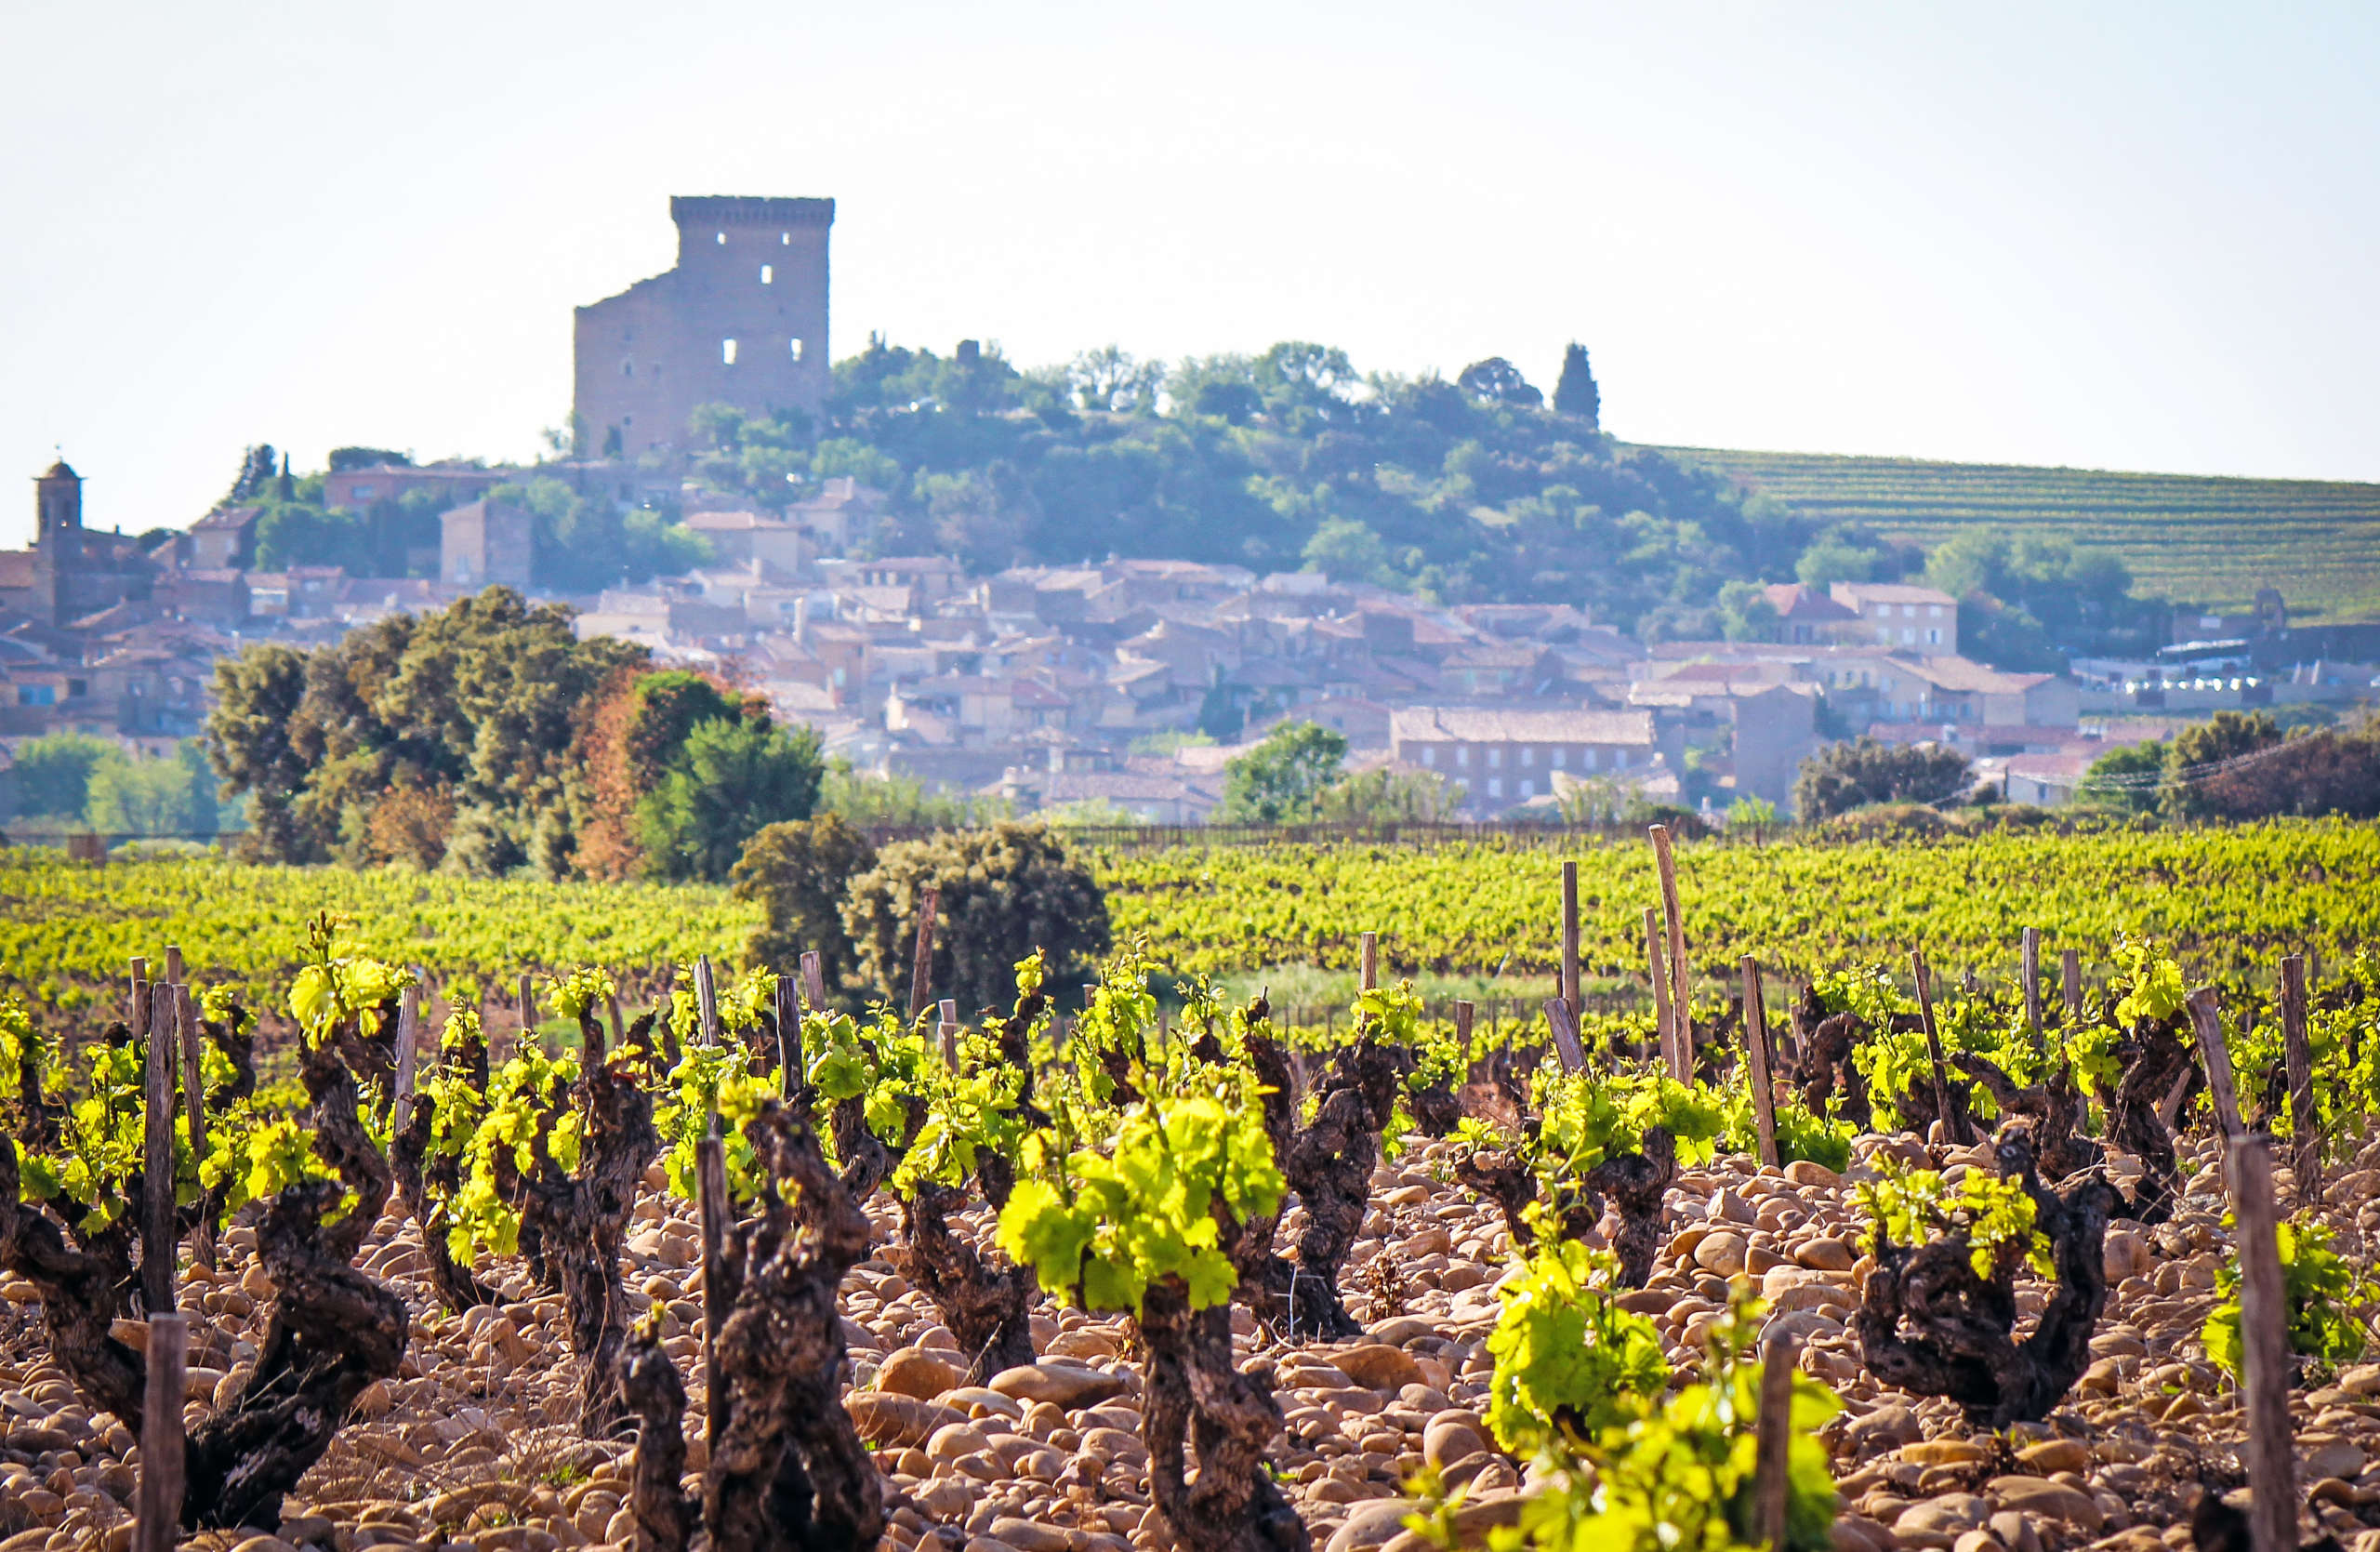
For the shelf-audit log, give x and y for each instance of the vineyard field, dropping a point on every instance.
(2207, 540)
(2230, 900)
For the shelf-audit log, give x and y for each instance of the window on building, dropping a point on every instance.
(36, 695)
(1529, 756)
(1933, 611)
(1554, 757)
(1908, 635)
(1463, 755)
(797, 350)
(1934, 636)
(723, 239)
(78, 688)
(727, 352)
(627, 366)
(1495, 758)
(1529, 787)
(1495, 786)
(1619, 759)
(1429, 757)
(1587, 760)
(768, 275)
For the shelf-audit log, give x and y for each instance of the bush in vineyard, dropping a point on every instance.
(1005, 892)
(72, 1186)
(799, 873)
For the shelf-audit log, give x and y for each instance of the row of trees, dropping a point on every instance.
(488, 736)
(2243, 765)
(71, 781)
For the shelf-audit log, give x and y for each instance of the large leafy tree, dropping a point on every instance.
(1003, 893)
(1279, 781)
(730, 779)
(477, 704)
(1840, 777)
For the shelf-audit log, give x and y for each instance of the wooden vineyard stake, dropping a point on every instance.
(528, 1011)
(1951, 1129)
(711, 1189)
(158, 1496)
(921, 969)
(2305, 1125)
(1368, 959)
(2171, 1106)
(948, 1030)
(1764, 1097)
(173, 964)
(2206, 1018)
(2031, 956)
(1570, 936)
(1681, 985)
(408, 1023)
(1564, 1025)
(194, 1102)
(813, 981)
(1656, 972)
(706, 1001)
(2070, 984)
(619, 1031)
(1463, 1014)
(1773, 1444)
(791, 1063)
(2264, 1338)
(138, 1019)
(159, 1243)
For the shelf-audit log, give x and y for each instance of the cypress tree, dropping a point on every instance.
(1575, 394)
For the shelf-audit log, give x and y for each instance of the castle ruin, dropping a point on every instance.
(742, 321)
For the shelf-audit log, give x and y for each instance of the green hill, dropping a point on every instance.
(2190, 538)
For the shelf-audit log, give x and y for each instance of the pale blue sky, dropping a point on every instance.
(2131, 235)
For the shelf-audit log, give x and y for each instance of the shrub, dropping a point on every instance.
(1840, 777)
(1005, 891)
(729, 781)
(799, 873)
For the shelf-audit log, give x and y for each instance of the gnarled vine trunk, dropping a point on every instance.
(649, 1383)
(987, 1306)
(1929, 1323)
(788, 1469)
(2056, 1107)
(329, 1331)
(1637, 1184)
(418, 1174)
(1199, 1405)
(1328, 1163)
(2154, 1059)
(1825, 1070)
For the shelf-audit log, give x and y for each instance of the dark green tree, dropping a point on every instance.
(730, 779)
(53, 772)
(1840, 777)
(1575, 394)
(2124, 777)
(2201, 752)
(1497, 381)
(1004, 892)
(1278, 780)
(799, 873)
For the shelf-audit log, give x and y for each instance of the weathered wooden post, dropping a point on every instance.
(192, 1042)
(1951, 1127)
(612, 1011)
(1463, 1014)
(1764, 1097)
(792, 1062)
(2070, 984)
(528, 1010)
(1564, 1025)
(711, 1189)
(948, 1030)
(1658, 972)
(408, 1022)
(158, 1496)
(1773, 1442)
(921, 969)
(138, 1018)
(2263, 1340)
(173, 964)
(2206, 1020)
(2031, 957)
(1681, 984)
(814, 980)
(706, 1001)
(1570, 936)
(160, 1077)
(1368, 960)
(2305, 1125)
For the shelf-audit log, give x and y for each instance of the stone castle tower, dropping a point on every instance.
(742, 320)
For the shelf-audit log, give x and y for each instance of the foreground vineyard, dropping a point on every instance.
(721, 1274)
(2230, 900)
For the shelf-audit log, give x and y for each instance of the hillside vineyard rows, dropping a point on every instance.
(1891, 1260)
(2230, 900)
(2211, 541)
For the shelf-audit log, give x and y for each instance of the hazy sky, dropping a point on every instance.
(2130, 236)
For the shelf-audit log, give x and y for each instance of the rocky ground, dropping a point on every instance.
(471, 1449)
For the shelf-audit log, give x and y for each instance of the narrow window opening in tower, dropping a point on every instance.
(797, 350)
(768, 274)
(727, 352)
(627, 367)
